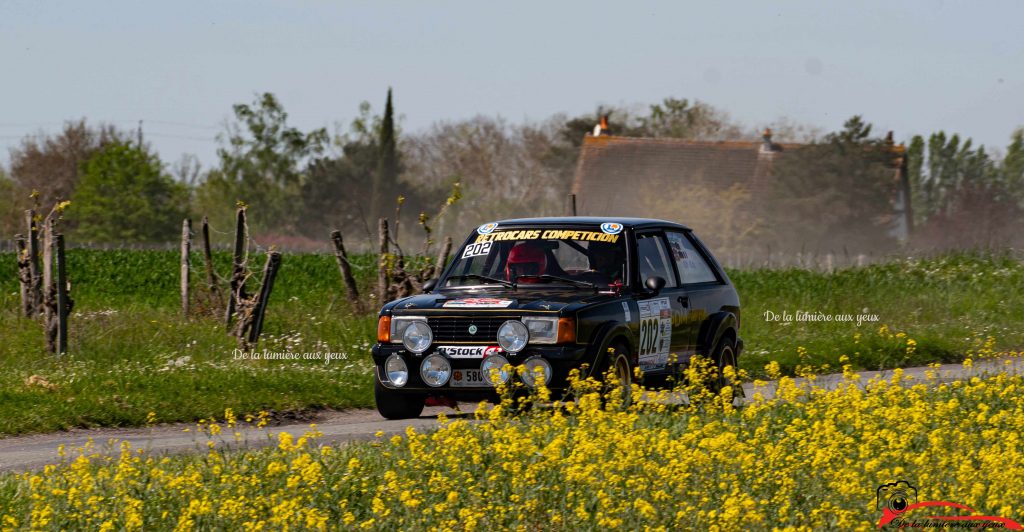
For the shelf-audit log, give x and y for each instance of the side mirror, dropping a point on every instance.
(429, 285)
(655, 283)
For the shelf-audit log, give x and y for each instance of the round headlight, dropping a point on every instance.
(396, 371)
(513, 335)
(536, 367)
(435, 370)
(417, 337)
(496, 369)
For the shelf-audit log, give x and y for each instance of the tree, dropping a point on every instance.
(51, 165)
(389, 166)
(833, 194)
(262, 164)
(1013, 167)
(677, 118)
(11, 219)
(962, 196)
(125, 196)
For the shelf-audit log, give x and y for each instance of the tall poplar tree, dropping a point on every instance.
(385, 179)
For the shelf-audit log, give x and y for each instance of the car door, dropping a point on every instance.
(699, 285)
(661, 315)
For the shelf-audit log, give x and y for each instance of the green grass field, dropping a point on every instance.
(132, 353)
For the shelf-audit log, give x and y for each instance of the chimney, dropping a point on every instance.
(767, 146)
(602, 128)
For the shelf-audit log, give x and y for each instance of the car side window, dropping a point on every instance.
(689, 262)
(653, 259)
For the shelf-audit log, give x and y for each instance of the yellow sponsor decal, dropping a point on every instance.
(550, 234)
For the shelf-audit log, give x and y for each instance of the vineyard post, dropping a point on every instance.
(572, 202)
(442, 257)
(238, 267)
(382, 265)
(346, 271)
(211, 281)
(48, 278)
(33, 264)
(186, 249)
(62, 296)
(24, 275)
(269, 273)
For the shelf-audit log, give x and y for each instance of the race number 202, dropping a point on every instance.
(474, 250)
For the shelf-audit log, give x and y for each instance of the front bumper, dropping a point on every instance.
(563, 359)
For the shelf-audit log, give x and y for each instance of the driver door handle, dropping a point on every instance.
(684, 301)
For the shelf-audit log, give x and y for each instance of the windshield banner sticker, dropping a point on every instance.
(479, 302)
(550, 234)
(655, 333)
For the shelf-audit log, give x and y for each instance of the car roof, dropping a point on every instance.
(634, 223)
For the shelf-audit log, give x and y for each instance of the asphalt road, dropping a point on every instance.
(30, 452)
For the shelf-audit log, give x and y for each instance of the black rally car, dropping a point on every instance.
(553, 294)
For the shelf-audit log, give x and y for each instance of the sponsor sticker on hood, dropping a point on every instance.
(478, 302)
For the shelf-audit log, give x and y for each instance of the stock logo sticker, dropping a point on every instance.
(611, 228)
(487, 229)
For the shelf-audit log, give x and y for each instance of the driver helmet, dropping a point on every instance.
(525, 259)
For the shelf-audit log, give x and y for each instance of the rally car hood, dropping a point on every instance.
(553, 300)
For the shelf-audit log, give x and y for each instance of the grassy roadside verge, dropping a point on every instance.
(133, 354)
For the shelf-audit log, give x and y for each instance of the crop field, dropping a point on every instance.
(132, 353)
(807, 458)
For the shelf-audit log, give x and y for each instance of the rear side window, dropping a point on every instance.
(690, 263)
(653, 259)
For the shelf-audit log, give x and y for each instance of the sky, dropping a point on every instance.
(914, 67)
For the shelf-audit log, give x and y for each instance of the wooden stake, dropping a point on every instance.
(572, 199)
(346, 272)
(269, 273)
(383, 280)
(35, 283)
(24, 276)
(48, 297)
(211, 280)
(442, 258)
(186, 250)
(63, 304)
(238, 267)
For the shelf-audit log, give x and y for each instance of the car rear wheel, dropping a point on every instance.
(725, 356)
(394, 405)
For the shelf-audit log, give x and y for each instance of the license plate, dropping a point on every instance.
(463, 378)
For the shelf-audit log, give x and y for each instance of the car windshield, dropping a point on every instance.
(532, 256)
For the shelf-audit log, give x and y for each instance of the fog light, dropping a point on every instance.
(496, 370)
(435, 370)
(535, 367)
(396, 371)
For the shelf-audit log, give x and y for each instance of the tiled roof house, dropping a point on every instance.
(614, 175)
(623, 176)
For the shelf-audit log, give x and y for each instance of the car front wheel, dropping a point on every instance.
(394, 405)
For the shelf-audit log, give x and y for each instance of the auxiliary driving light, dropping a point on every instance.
(396, 371)
(496, 369)
(513, 335)
(435, 370)
(531, 368)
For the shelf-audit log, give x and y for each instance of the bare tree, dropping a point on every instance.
(52, 164)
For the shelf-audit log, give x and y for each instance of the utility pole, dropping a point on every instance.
(140, 134)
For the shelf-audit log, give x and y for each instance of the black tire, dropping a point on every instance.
(394, 405)
(619, 361)
(724, 356)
